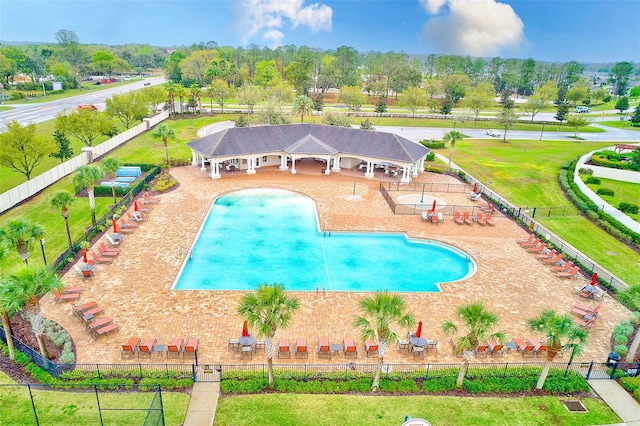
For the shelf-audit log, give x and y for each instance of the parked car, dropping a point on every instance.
(581, 109)
(494, 133)
(88, 107)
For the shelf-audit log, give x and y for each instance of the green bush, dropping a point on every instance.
(431, 144)
(619, 339)
(630, 208)
(622, 350)
(632, 384)
(430, 156)
(593, 181)
(399, 386)
(439, 385)
(585, 171)
(165, 182)
(592, 215)
(605, 191)
(243, 386)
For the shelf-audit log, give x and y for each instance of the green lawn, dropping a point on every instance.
(80, 408)
(353, 410)
(526, 173)
(624, 192)
(626, 125)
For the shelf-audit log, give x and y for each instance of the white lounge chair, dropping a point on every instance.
(111, 240)
(425, 217)
(474, 196)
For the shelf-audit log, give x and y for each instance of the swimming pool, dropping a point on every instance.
(260, 235)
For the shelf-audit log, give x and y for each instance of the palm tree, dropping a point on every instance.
(31, 284)
(86, 177)
(302, 105)
(62, 200)
(170, 87)
(110, 166)
(476, 324)
(266, 310)
(9, 305)
(452, 137)
(180, 91)
(164, 132)
(21, 233)
(561, 333)
(379, 313)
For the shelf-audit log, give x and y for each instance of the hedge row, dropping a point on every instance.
(556, 383)
(632, 384)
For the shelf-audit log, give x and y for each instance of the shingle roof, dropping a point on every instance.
(311, 139)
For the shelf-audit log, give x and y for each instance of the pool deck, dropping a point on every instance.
(135, 290)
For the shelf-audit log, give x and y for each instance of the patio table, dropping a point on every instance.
(418, 341)
(246, 340)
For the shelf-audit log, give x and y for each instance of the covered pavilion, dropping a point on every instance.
(249, 148)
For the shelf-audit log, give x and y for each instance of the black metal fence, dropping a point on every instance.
(34, 405)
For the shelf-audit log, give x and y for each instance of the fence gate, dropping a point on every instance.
(207, 372)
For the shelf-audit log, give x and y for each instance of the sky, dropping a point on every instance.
(546, 30)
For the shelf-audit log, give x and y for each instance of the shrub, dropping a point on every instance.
(619, 339)
(433, 144)
(592, 215)
(628, 208)
(439, 385)
(430, 156)
(585, 171)
(605, 191)
(593, 181)
(165, 182)
(624, 327)
(622, 350)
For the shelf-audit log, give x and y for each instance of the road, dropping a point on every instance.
(45, 111)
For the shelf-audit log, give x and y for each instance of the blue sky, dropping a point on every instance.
(587, 31)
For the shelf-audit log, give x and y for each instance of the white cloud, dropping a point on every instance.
(266, 18)
(472, 27)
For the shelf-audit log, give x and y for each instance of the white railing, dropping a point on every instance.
(28, 189)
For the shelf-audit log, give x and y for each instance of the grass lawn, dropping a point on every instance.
(625, 125)
(526, 173)
(353, 410)
(80, 408)
(624, 192)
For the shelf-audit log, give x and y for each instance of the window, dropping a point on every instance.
(264, 159)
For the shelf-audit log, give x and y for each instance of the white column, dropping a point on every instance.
(203, 168)
(283, 162)
(369, 173)
(293, 165)
(336, 164)
(252, 164)
(215, 170)
(422, 164)
(327, 169)
(415, 169)
(194, 158)
(406, 175)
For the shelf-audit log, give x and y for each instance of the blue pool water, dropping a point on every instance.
(261, 235)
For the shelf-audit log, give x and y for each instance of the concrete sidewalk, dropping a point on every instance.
(203, 403)
(618, 399)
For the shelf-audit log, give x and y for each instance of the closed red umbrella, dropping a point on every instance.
(245, 330)
(135, 206)
(115, 225)
(419, 330)
(475, 187)
(594, 279)
(433, 207)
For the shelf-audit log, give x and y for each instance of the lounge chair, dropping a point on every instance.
(467, 219)
(79, 309)
(284, 350)
(125, 224)
(301, 348)
(487, 208)
(146, 347)
(105, 330)
(425, 216)
(457, 219)
(495, 348)
(527, 240)
(323, 347)
(474, 196)
(349, 348)
(101, 258)
(562, 267)
(102, 322)
(482, 350)
(434, 219)
(83, 274)
(370, 347)
(102, 247)
(553, 260)
(533, 243)
(538, 346)
(586, 322)
(175, 347)
(191, 347)
(130, 348)
(111, 240)
(135, 216)
(90, 313)
(489, 220)
(537, 248)
(440, 217)
(525, 348)
(582, 310)
(59, 297)
(480, 219)
(68, 290)
(546, 254)
(107, 253)
(570, 274)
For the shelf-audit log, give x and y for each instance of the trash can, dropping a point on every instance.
(613, 359)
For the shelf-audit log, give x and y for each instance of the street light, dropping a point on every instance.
(44, 257)
(422, 198)
(542, 130)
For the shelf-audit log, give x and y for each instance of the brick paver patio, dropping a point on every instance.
(135, 290)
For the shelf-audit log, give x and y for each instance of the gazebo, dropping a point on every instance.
(249, 148)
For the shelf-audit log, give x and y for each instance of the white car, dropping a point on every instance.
(495, 133)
